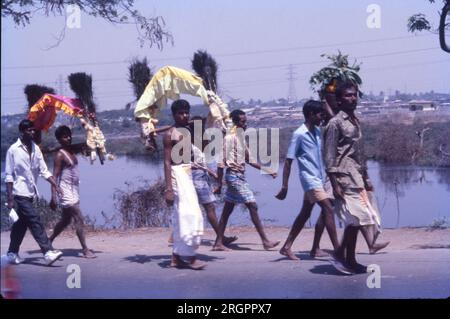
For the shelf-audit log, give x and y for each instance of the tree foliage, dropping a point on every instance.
(150, 30)
(419, 22)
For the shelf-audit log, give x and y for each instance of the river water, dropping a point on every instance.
(406, 195)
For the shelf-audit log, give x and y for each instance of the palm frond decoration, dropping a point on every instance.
(81, 84)
(34, 92)
(206, 67)
(339, 70)
(139, 74)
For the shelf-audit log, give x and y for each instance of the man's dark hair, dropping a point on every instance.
(342, 86)
(235, 115)
(312, 107)
(25, 125)
(62, 130)
(180, 105)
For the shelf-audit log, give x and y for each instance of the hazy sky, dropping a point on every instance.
(252, 41)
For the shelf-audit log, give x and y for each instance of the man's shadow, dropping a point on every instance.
(303, 255)
(326, 269)
(39, 261)
(68, 252)
(237, 246)
(165, 259)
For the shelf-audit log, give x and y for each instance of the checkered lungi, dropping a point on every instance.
(238, 190)
(203, 186)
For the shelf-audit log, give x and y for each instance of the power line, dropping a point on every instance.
(234, 83)
(243, 83)
(263, 67)
(322, 61)
(238, 84)
(219, 55)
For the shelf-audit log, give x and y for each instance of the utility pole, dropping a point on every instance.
(292, 96)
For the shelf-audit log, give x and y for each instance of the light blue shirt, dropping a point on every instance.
(307, 149)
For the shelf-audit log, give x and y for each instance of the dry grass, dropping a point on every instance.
(142, 207)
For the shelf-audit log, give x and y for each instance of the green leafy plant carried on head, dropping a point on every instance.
(326, 79)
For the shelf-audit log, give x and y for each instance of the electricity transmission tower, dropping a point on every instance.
(292, 96)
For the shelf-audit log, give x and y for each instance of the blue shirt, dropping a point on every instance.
(307, 149)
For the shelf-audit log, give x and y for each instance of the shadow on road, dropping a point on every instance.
(207, 242)
(69, 252)
(236, 246)
(431, 246)
(143, 259)
(303, 256)
(325, 270)
(39, 261)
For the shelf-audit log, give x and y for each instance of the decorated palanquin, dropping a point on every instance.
(169, 82)
(45, 105)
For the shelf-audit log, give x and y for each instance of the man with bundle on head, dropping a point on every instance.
(348, 175)
(187, 219)
(24, 163)
(325, 82)
(235, 155)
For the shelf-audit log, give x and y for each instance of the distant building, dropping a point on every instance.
(422, 105)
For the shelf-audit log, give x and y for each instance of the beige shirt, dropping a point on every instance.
(343, 151)
(233, 153)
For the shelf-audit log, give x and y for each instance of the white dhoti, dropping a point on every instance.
(358, 209)
(187, 218)
(375, 213)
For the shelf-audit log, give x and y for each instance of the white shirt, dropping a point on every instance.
(22, 170)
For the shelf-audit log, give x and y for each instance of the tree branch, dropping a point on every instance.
(442, 27)
(150, 29)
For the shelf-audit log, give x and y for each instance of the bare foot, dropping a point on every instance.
(177, 262)
(229, 240)
(89, 254)
(270, 244)
(318, 253)
(377, 247)
(196, 265)
(288, 253)
(340, 265)
(220, 248)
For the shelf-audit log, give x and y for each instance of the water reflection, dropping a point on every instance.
(398, 179)
(444, 177)
(411, 195)
(404, 177)
(406, 195)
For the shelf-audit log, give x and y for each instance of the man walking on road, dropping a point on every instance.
(348, 175)
(24, 163)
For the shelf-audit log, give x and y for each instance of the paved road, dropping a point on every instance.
(247, 272)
